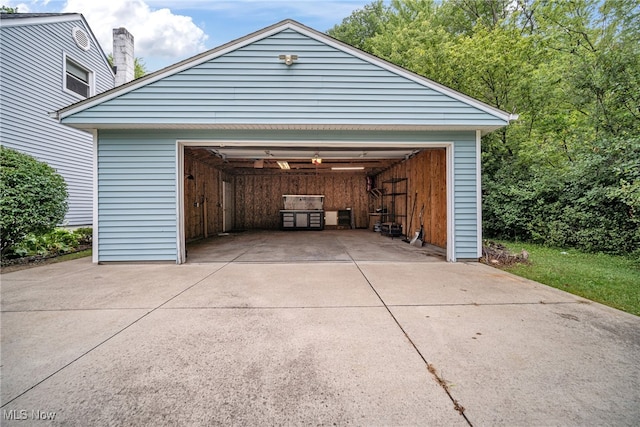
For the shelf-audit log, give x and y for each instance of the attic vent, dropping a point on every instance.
(81, 38)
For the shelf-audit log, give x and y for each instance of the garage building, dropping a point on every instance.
(213, 143)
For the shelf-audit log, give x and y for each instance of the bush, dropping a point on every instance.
(594, 205)
(84, 234)
(58, 241)
(32, 197)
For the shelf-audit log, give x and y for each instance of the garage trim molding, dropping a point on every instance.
(181, 144)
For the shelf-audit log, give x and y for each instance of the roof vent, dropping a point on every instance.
(81, 38)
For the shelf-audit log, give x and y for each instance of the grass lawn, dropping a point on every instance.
(607, 279)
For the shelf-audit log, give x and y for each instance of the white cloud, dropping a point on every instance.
(156, 32)
(22, 7)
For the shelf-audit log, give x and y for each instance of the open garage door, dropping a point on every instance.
(243, 185)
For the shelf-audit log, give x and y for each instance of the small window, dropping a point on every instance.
(77, 79)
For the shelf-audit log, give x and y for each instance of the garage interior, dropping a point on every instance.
(230, 190)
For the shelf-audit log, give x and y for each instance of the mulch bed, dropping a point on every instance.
(15, 264)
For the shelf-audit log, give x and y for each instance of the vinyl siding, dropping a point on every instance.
(250, 85)
(137, 185)
(465, 200)
(32, 64)
(136, 198)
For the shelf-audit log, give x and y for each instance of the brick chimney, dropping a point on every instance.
(123, 59)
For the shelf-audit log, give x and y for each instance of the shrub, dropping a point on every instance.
(32, 197)
(58, 241)
(594, 205)
(84, 234)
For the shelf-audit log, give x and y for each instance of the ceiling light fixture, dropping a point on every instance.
(283, 164)
(347, 168)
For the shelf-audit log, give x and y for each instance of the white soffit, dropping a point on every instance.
(324, 127)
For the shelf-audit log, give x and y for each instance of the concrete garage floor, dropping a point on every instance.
(310, 246)
(255, 338)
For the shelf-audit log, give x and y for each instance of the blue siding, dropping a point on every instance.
(32, 64)
(250, 85)
(465, 202)
(137, 185)
(137, 198)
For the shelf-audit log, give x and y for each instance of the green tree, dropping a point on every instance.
(138, 63)
(32, 197)
(413, 39)
(362, 25)
(140, 69)
(601, 43)
(7, 9)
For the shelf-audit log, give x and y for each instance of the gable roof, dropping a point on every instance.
(93, 112)
(24, 19)
(23, 16)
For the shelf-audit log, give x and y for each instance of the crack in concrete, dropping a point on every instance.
(456, 405)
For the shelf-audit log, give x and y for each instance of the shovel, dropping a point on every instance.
(417, 239)
(413, 209)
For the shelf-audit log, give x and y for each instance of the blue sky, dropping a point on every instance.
(166, 32)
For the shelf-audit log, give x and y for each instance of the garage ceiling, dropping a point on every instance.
(269, 159)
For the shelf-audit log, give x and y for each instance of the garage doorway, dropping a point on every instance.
(243, 185)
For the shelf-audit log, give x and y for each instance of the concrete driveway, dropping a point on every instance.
(366, 339)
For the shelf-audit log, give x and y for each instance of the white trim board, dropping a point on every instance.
(479, 191)
(451, 228)
(95, 256)
(181, 244)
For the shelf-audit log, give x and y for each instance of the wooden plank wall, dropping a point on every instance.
(427, 177)
(205, 187)
(259, 196)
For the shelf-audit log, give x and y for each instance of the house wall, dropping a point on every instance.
(137, 218)
(137, 203)
(32, 64)
(466, 200)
